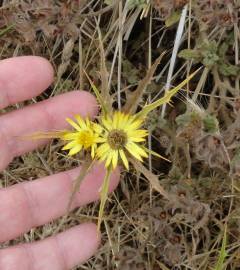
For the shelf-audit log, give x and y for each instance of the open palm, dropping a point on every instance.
(31, 204)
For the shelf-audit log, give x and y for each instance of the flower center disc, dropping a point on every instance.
(117, 139)
(85, 139)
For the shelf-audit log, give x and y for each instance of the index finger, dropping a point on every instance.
(47, 115)
(22, 78)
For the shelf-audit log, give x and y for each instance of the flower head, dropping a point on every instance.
(86, 135)
(121, 137)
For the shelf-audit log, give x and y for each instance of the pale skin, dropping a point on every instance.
(33, 203)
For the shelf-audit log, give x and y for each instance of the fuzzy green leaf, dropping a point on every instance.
(173, 18)
(189, 54)
(210, 124)
(228, 69)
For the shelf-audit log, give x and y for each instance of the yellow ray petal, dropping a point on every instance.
(69, 136)
(81, 122)
(100, 139)
(133, 153)
(73, 124)
(136, 123)
(107, 123)
(97, 128)
(156, 154)
(138, 133)
(135, 139)
(93, 151)
(138, 149)
(109, 159)
(69, 145)
(124, 159)
(115, 159)
(75, 150)
(115, 121)
(102, 149)
(122, 120)
(103, 157)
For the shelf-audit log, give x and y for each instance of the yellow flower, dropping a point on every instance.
(121, 136)
(86, 135)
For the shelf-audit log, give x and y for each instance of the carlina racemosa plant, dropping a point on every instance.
(116, 137)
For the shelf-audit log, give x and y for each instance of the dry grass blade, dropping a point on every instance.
(105, 93)
(7, 29)
(86, 167)
(102, 11)
(223, 253)
(44, 135)
(66, 57)
(153, 179)
(105, 107)
(177, 43)
(134, 100)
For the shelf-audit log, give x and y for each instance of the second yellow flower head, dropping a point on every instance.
(115, 138)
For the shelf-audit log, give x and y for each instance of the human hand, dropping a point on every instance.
(31, 204)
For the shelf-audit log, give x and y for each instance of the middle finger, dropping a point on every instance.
(32, 204)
